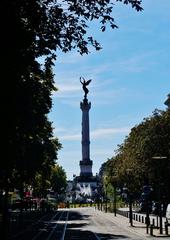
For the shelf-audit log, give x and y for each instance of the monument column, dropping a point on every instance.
(85, 107)
(85, 163)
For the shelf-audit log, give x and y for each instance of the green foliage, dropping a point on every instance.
(45, 26)
(40, 185)
(151, 138)
(34, 30)
(49, 177)
(58, 179)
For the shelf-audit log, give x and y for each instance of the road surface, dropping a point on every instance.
(78, 224)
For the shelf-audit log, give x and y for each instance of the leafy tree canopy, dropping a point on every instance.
(58, 179)
(33, 29)
(48, 25)
(149, 139)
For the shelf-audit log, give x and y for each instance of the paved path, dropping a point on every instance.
(85, 224)
(138, 227)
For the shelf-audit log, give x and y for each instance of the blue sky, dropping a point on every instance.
(130, 78)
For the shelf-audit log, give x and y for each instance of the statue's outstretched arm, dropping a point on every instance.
(83, 80)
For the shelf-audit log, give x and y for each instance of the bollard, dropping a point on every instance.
(142, 219)
(151, 229)
(157, 222)
(147, 221)
(166, 228)
(153, 222)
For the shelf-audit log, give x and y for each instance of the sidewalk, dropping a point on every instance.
(138, 227)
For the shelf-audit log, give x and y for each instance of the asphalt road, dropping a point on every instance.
(76, 224)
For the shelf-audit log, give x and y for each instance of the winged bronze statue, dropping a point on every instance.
(85, 83)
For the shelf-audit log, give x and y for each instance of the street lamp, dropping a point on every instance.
(114, 182)
(146, 197)
(115, 200)
(100, 196)
(106, 196)
(105, 191)
(98, 193)
(128, 171)
(159, 194)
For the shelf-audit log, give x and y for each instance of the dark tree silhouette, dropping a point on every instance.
(33, 29)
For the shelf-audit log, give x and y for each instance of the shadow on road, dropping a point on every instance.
(111, 236)
(89, 235)
(75, 229)
(77, 216)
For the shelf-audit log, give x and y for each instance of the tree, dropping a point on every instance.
(34, 29)
(41, 182)
(148, 139)
(58, 179)
(47, 25)
(35, 143)
(39, 28)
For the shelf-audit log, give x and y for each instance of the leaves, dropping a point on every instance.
(35, 30)
(58, 179)
(150, 138)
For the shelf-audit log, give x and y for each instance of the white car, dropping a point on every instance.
(168, 214)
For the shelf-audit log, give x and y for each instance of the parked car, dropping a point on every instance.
(168, 214)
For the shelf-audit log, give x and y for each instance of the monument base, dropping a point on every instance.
(86, 168)
(86, 187)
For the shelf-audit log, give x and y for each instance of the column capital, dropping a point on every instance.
(85, 105)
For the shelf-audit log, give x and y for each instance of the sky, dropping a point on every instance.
(130, 79)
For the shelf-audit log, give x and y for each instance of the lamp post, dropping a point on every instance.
(100, 196)
(74, 190)
(114, 183)
(146, 196)
(105, 191)
(106, 196)
(115, 200)
(128, 171)
(159, 193)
